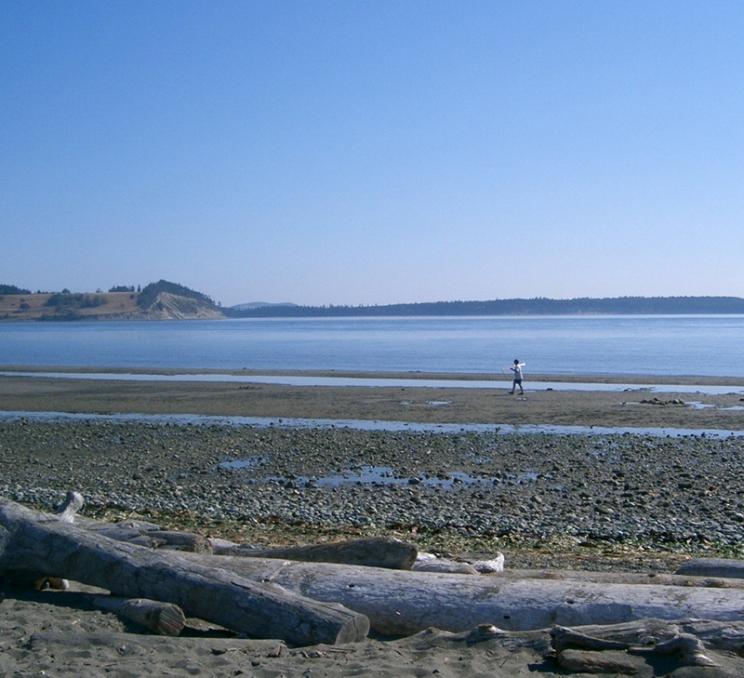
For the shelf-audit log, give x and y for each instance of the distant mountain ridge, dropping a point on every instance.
(535, 306)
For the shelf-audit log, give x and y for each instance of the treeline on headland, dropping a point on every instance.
(534, 306)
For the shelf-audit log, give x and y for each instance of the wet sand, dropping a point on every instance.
(633, 408)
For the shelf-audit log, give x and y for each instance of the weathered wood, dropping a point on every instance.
(428, 562)
(152, 538)
(713, 567)
(31, 541)
(443, 565)
(651, 579)
(689, 649)
(371, 551)
(69, 508)
(587, 661)
(384, 552)
(571, 638)
(180, 541)
(639, 635)
(489, 566)
(399, 602)
(165, 619)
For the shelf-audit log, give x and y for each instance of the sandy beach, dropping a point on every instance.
(611, 502)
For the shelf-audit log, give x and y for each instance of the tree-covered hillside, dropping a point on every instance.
(535, 306)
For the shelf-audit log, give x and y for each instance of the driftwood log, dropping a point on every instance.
(42, 544)
(636, 578)
(713, 567)
(371, 551)
(645, 648)
(400, 603)
(384, 552)
(165, 619)
(405, 602)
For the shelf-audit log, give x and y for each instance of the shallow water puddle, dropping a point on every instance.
(387, 476)
(242, 464)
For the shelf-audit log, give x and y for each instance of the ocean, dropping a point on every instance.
(696, 345)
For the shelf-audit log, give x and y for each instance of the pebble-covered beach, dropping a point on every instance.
(448, 489)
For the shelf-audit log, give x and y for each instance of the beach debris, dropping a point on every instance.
(385, 552)
(639, 647)
(635, 578)
(404, 602)
(663, 403)
(493, 565)
(611, 649)
(428, 562)
(587, 661)
(165, 619)
(310, 602)
(713, 567)
(443, 565)
(39, 543)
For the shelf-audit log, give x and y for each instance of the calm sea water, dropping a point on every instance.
(664, 345)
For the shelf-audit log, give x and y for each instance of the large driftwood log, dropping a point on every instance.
(713, 567)
(399, 603)
(40, 543)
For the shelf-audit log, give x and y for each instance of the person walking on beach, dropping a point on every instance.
(517, 378)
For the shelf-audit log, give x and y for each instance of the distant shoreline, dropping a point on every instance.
(171, 301)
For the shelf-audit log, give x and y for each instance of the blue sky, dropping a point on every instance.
(373, 152)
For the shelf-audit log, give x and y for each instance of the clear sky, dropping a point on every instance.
(378, 151)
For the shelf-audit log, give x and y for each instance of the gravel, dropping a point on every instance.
(623, 488)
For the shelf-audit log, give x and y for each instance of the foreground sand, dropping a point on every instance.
(40, 636)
